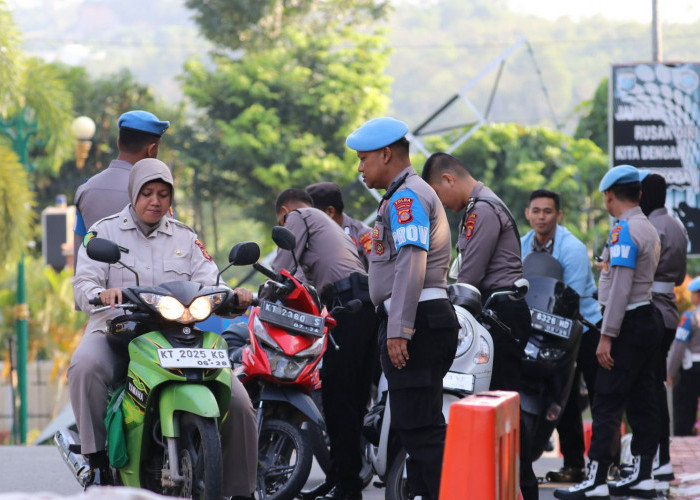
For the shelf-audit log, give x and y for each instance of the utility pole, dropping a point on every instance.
(656, 45)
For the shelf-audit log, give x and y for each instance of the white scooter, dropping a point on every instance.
(470, 373)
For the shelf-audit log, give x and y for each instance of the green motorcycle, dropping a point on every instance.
(163, 422)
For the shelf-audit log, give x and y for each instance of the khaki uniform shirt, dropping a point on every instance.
(102, 195)
(325, 253)
(170, 253)
(672, 262)
(629, 264)
(488, 245)
(361, 236)
(411, 250)
(686, 343)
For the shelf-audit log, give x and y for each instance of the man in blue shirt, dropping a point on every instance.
(547, 235)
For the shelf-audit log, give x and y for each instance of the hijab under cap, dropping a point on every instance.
(148, 170)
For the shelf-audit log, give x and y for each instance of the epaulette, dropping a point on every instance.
(178, 223)
(109, 217)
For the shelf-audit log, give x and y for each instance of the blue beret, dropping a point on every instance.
(376, 133)
(143, 121)
(643, 174)
(622, 174)
(694, 285)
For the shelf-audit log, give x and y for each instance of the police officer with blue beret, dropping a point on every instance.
(630, 334)
(410, 256)
(106, 193)
(684, 366)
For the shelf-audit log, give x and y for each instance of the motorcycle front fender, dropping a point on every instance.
(197, 399)
(299, 400)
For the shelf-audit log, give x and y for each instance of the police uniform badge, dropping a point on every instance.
(204, 250)
(88, 236)
(378, 247)
(403, 210)
(615, 234)
(366, 242)
(469, 225)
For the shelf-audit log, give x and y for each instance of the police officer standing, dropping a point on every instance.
(330, 262)
(489, 248)
(669, 273)
(547, 235)
(328, 198)
(106, 193)
(630, 334)
(684, 366)
(408, 270)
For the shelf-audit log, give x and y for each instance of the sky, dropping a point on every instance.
(670, 11)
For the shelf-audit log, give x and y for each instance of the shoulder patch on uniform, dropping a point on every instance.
(410, 224)
(88, 236)
(684, 328)
(366, 242)
(623, 250)
(469, 224)
(204, 250)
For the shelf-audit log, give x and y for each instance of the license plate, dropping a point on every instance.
(289, 319)
(186, 357)
(459, 381)
(551, 323)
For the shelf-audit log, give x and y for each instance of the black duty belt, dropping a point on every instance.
(355, 286)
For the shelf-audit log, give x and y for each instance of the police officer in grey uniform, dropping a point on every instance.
(105, 193)
(630, 335)
(408, 269)
(669, 273)
(328, 198)
(684, 366)
(489, 248)
(330, 262)
(160, 249)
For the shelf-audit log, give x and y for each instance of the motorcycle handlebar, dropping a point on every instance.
(262, 269)
(97, 301)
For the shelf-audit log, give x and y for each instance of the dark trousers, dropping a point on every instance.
(570, 426)
(346, 377)
(660, 394)
(628, 386)
(415, 392)
(685, 401)
(507, 375)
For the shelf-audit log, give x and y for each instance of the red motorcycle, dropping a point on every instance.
(286, 336)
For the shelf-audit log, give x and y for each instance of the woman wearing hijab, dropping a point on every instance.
(160, 249)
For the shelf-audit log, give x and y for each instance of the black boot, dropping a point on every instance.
(317, 491)
(567, 475)
(340, 493)
(640, 483)
(100, 473)
(594, 486)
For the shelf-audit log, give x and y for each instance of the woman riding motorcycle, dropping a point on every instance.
(160, 249)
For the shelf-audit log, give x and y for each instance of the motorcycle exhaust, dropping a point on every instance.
(77, 463)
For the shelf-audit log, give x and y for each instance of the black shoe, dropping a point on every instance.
(342, 494)
(316, 491)
(567, 475)
(639, 483)
(594, 486)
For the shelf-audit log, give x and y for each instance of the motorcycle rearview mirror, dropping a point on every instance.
(107, 251)
(285, 240)
(245, 253)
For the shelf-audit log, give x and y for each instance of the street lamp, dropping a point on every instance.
(83, 129)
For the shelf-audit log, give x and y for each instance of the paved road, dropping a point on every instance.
(34, 469)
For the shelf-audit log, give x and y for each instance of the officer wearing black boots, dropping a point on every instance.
(407, 276)
(330, 262)
(630, 335)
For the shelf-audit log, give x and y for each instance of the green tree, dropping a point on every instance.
(276, 114)
(514, 160)
(593, 123)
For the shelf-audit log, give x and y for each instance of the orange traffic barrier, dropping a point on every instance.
(482, 448)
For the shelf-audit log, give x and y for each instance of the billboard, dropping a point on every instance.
(654, 124)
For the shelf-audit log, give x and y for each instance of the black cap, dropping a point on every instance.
(326, 194)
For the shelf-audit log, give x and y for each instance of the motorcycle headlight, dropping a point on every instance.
(313, 351)
(465, 337)
(173, 310)
(261, 333)
(484, 353)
